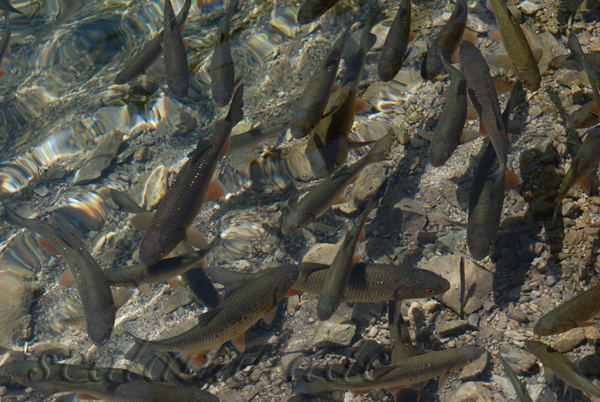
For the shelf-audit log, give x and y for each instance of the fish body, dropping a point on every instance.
(373, 283)
(4, 44)
(338, 274)
(410, 371)
(313, 9)
(585, 161)
(517, 47)
(394, 48)
(447, 41)
(176, 64)
(319, 198)
(109, 384)
(585, 116)
(566, 61)
(312, 102)
(452, 121)
(150, 52)
(519, 389)
(482, 92)
(562, 367)
(92, 285)
(221, 68)
(255, 136)
(238, 312)
(183, 200)
(590, 71)
(570, 314)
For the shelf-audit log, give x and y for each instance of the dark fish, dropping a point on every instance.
(109, 384)
(566, 61)
(394, 48)
(92, 285)
(585, 116)
(562, 367)
(517, 47)
(307, 112)
(183, 200)
(255, 136)
(447, 41)
(4, 44)
(519, 388)
(255, 299)
(125, 203)
(452, 121)
(313, 9)
(201, 287)
(482, 92)
(573, 313)
(590, 71)
(221, 69)
(320, 197)
(412, 370)
(338, 274)
(150, 52)
(372, 283)
(175, 57)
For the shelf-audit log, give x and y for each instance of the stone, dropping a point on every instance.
(100, 158)
(321, 253)
(472, 392)
(517, 315)
(592, 334)
(570, 339)
(369, 181)
(141, 154)
(453, 327)
(412, 215)
(289, 361)
(328, 333)
(452, 240)
(505, 385)
(521, 361)
(478, 281)
(155, 187)
(590, 365)
(529, 7)
(474, 369)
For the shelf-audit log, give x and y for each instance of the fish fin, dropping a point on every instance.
(510, 179)
(360, 105)
(340, 200)
(470, 37)
(594, 108)
(307, 268)
(565, 390)
(2, 72)
(584, 183)
(195, 360)
(67, 279)
(121, 296)
(292, 292)
(202, 146)
(173, 283)
(215, 190)
(198, 282)
(361, 235)
(482, 129)
(226, 147)
(443, 380)
(270, 316)
(355, 259)
(231, 280)
(85, 396)
(472, 114)
(361, 391)
(411, 36)
(501, 85)
(555, 216)
(236, 113)
(335, 87)
(468, 135)
(195, 238)
(495, 35)
(141, 221)
(239, 342)
(488, 5)
(359, 144)
(145, 289)
(395, 389)
(538, 53)
(46, 245)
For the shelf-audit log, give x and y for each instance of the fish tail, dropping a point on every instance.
(555, 217)
(138, 349)
(237, 103)
(232, 8)
(380, 149)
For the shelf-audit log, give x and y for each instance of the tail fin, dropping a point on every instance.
(137, 350)
(237, 103)
(380, 149)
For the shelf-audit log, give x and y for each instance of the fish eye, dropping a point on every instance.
(429, 291)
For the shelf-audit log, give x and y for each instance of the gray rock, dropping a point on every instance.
(411, 214)
(368, 182)
(569, 340)
(505, 385)
(472, 392)
(473, 369)
(453, 327)
(520, 360)
(452, 240)
(100, 158)
(155, 187)
(592, 334)
(289, 361)
(517, 315)
(328, 333)
(529, 8)
(478, 281)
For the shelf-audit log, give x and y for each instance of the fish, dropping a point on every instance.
(4, 44)
(175, 57)
(161, 271)
(338, 274)
(92, 285)
(313, 9)
(585, 161)
(446, 41)
(517, 47)
(308, 110)
(258, 297)
(566, 61)
(221, 68)
(109, 384)
(519, 389)
(394, 47)
(585, 116)
(590, 71)
(124, 202)
(373, 283)
(255, 136)
(319, 198)
(183, 199)
(482, 93)
(402, 346)
(487, 194)
(328, 145)
(150, 52)
(410, 371)
(573, 313)
(452, 120)
(562, 367)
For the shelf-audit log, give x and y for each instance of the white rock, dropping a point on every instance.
(155, 187)
(529, 8)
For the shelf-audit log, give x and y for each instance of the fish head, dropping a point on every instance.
(285, 276)
(157, 244)
(295, 219)
(425, 284)
(549, 325)
(25, 372)
(470, 353)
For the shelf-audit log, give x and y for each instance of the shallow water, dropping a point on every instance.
(58, 100)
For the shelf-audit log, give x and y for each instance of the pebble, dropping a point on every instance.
(569, 340)
(472, 392)
(529, 8)
(474, 369)
(155, 187)
(41, 190)
(452, 241)
(592, 334)
(333, 334)
(289, 362)
(453, 327)
(517, 315)
(521, 361)
(100, 158)
(141, 154)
